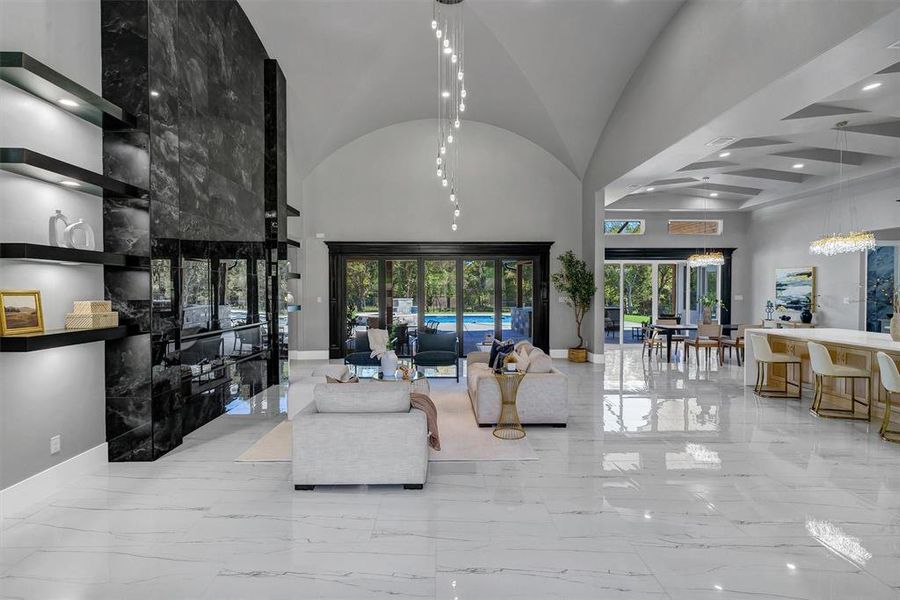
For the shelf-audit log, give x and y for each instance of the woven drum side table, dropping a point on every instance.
(508, 425)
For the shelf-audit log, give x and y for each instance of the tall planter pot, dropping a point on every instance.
(895, 328)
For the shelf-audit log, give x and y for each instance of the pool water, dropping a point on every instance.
(474, 319)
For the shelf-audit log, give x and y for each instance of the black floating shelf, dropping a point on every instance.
(38, 79)
(293, 243)
(56, 254)
(58, 338)
(293, 308)
(292, 212)
(46, 168)
(292, 275)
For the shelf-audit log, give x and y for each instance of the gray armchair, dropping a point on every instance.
(437, 350)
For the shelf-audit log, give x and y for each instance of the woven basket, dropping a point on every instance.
(95, 320)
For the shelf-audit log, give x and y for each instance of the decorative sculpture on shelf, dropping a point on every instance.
(57, 229)
(77, 235)
(770, 309)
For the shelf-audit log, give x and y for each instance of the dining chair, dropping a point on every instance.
(708, 335)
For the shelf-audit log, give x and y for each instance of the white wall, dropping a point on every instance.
(58, 391)
(382, 187)
(780, 237)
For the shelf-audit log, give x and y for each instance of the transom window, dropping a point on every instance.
(695, 227)
(623, 226)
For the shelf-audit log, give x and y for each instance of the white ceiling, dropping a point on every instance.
(548, 70)
(785, 142)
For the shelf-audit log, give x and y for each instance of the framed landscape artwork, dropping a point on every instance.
(21, 312)
(795, 289)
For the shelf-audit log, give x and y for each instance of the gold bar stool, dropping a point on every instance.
(763, 354)
(890, 379)
(822, 366)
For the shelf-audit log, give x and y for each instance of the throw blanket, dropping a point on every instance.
(425, 404)
(378, 339)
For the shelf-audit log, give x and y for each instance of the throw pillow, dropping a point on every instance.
(496, 348)
(524, 361)
(539, 362)
(524, 344)
(352, 379)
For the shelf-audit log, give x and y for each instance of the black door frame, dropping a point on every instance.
(339, 252)
(682, 254)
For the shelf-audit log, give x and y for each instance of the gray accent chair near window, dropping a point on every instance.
(360, 357)
(437, 350)
(360, 433)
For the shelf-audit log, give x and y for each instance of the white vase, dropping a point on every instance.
(895, 328)
(389, 363)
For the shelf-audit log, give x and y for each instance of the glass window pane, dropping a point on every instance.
(440, 295)
(261, 289)
(195, 294)
(478, 303)
(232, 293)
(402, 309)
(362, 292)
(637, 293)
(611, 313)
(667, 290)
(703, 287)
(518, 295)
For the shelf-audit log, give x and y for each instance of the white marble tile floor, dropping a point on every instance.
(668, 484)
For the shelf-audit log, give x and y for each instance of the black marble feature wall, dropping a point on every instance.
(194, 74)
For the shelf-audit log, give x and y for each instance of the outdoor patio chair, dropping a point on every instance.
(437, 350)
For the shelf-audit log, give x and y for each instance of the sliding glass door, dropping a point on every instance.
(362, 293)
(479, 303)
(440, 295)
(517, 312)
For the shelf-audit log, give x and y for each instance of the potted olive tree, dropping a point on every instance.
(575, 282)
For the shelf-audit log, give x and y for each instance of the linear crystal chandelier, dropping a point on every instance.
(447, 26)
(707, 258)
(852, 240)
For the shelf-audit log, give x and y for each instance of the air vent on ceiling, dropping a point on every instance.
(720, 141)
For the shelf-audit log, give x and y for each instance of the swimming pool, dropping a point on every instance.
(471, 319)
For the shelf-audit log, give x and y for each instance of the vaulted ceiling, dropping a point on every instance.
(548, 70)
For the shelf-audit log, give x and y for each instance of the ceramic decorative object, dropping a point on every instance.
(57, 229)
(770, 309)
(806, 316)
(895, 327)
(80, 236)
(707, 315)
(389, 362)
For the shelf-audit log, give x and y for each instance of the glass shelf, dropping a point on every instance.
(35, 165)
(38, 79)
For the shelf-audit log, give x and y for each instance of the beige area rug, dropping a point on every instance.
(275, 446)
(461, 437)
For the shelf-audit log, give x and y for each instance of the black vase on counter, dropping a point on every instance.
(806, 316)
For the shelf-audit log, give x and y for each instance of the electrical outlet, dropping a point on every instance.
(846, 300)
(55, 443)
(319, 299)
(738, 297)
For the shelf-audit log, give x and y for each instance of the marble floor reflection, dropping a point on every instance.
(668, 484)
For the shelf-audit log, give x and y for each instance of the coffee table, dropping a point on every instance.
(417, 379)
(508, 425)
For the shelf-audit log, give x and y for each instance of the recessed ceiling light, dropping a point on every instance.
(872, 86)
(69, 183)
(724, 154)
(445, 94)
(791, 566)
(717, 587)
(720, 141)
(67, 102)
(154, 93)
(798, 166)
(714, 195)
(650, 189)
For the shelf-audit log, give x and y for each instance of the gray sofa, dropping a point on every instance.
(360, 433)
(303, 381)
(542, 398)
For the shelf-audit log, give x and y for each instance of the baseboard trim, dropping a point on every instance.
(564, 353)
(597, 359)
(27, 492)
(308, 355)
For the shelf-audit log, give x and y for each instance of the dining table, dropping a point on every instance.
(670, 330)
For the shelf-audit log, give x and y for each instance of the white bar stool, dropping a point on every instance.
(890, 379)
(822, 365)
(763, 354)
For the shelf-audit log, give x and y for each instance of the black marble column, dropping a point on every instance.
(193, 72)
